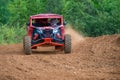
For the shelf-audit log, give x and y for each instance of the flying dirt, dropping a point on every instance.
(76, 37)
(92, 58)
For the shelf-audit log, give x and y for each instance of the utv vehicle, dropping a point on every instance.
(46, 30)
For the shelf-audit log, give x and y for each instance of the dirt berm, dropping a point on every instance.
(96, 58)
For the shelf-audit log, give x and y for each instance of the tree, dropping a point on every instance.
(18, 12)
(54, 6)
(4, 13)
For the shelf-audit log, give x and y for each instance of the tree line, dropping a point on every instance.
(91, 17)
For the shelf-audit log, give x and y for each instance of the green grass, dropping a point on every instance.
(11, 34)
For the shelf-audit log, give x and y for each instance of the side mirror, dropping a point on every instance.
(64, 23)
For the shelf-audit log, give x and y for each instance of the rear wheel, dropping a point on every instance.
(27, 45)
(67, 44)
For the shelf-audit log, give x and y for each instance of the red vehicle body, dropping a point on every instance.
(46, 35)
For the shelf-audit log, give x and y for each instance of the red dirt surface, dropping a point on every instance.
(96, 58)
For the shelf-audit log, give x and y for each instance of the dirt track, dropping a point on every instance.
(91, 59)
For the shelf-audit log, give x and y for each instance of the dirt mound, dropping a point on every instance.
(118, 41)
(92, 58)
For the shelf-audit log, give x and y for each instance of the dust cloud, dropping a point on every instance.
(75, 36)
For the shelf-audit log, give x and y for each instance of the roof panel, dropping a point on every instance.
(48, 15)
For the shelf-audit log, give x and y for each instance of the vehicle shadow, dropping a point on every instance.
(47, 52)
(17, 49)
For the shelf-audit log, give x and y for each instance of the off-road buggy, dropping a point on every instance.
(46, 30)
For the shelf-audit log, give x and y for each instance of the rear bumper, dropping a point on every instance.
(47, 42)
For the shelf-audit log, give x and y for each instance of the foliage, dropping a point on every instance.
(94, 17)
(4, 13)
(12, 34)
(91, 17)
(18, 12)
